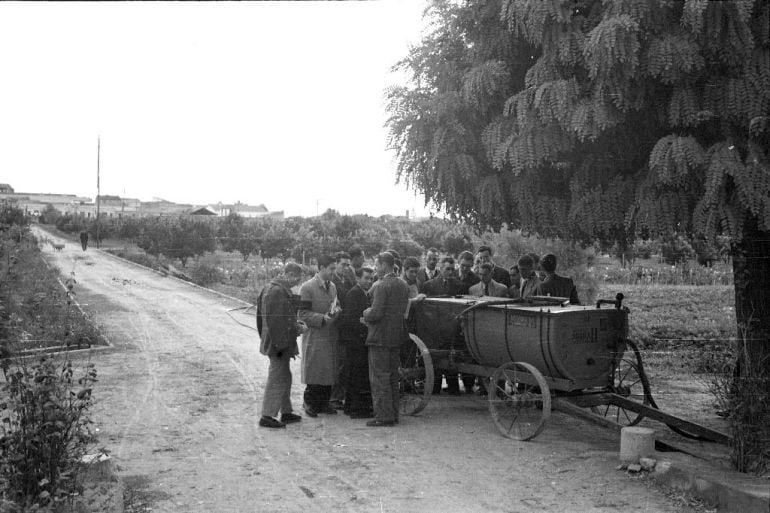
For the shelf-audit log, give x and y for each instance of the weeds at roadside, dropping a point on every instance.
(45, 430)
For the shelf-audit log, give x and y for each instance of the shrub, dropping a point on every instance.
(742, 391)
(207, 270)
(45, 430)
(676, 249)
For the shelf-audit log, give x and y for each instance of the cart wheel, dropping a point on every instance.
(415, 376)
(519, 407)
(626, 382)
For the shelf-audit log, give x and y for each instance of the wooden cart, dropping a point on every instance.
(535, 354)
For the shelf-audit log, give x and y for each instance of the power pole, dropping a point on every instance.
(98, 189)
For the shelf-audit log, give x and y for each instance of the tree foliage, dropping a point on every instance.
(590, 119)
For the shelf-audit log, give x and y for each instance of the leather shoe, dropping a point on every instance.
(381, 423)
(311, 412)
(289, 418)
(270, 422)
(337, 405)
(328, 410)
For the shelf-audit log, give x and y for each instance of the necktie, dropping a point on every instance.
(486, 289)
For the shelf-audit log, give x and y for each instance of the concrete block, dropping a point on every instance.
(634, 468)
(648, 464)
(635, 443)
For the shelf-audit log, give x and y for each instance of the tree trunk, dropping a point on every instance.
(751, 275)
(749, 393)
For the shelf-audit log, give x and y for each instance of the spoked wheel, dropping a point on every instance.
(519, 400)
(628, 382)
(415, 376)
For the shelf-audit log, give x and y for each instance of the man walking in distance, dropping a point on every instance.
(84, 239)
(358, 392)
(555, 285)
(387, 330)
(319, 309)
(278, 329)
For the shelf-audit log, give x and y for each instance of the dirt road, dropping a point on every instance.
(179, 398)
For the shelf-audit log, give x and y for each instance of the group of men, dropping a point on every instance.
(352, 319)
(479, 276)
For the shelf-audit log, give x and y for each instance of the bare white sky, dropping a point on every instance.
(278, 103)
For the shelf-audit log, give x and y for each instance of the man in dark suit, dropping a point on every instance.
(431, 269)
(358, 392)
(555, 285)
(445, 284)
(499, 274)
(387, 331)
(467, 276)
(343, 283)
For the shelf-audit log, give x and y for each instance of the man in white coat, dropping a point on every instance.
(319, 309)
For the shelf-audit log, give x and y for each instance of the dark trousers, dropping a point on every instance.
(338, 390)
(358, 391)
(317, 396)
(383, 376)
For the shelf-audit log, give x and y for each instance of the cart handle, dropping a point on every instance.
(618, 301)
(532, 300)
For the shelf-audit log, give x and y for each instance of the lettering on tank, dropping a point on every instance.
(584, 336)
(522, 321)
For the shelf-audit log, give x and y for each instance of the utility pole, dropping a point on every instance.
(98, 190)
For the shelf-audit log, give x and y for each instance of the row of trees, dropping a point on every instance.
(306, 238)
(301, 239)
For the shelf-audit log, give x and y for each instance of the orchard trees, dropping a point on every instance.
(599, 120)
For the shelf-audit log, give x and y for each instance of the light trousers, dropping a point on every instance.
(278, 387)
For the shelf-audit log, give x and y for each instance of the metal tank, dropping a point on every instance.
(576, 346)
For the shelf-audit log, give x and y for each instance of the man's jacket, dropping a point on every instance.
(277, 319)
(558, 286)
(385, 318)
(352, 332)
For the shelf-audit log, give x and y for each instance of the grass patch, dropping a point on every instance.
(36, 311)
(677, 316)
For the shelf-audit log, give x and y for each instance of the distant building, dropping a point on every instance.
(115, 206)
(34, 203)
(204, 211)
(244, 210)
(161, 207)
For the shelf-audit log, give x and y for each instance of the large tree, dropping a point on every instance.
(599, 120)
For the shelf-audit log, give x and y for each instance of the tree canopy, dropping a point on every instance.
(590, 119)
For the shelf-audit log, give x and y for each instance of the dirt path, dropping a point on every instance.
(180, 395)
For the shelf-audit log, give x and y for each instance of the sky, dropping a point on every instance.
(274, 103)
